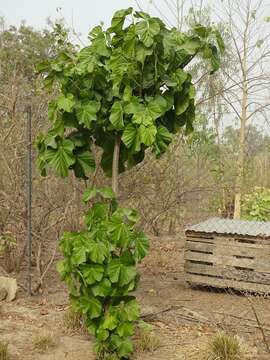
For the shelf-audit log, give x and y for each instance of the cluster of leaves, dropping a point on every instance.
(7, 241)
(99, 268)
(256, 206)
(21, 49)
(129, 83)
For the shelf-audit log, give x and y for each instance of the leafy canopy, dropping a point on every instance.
(129, 82)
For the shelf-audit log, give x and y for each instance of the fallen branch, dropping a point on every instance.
(263, 325)
(188, 314)
(153, 315)
(259, 325)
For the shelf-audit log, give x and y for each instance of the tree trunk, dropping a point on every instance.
(178, 14)
(240, 170)
(242, 132)
(172, 225)
(115, 165)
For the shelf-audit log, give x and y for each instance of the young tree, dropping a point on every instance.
(127, 92)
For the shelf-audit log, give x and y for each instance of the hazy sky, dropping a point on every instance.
(81, 15)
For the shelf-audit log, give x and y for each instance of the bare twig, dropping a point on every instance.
(42, 276)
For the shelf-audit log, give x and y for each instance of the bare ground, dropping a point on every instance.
(184, 319)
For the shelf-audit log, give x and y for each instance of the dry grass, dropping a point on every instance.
(224, 347)
(44, 341)
(3, 350)
(74, 322)
(145, 340)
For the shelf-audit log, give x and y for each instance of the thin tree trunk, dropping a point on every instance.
(242, 133)
(178, 14)
(172, 224)
(217, 118)
(240, 170)
(115, 165)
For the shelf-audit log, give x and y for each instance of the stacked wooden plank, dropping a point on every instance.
(229, 254)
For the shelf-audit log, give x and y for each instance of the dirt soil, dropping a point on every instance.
(184, 319)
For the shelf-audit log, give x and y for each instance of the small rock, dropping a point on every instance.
(10, 286)
(44, 312)
(3, 294)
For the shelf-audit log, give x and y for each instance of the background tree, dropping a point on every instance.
(238, 92)
(248, 98)
(20, 50)
(209, 86)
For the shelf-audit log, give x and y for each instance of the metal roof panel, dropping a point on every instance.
(232, 226)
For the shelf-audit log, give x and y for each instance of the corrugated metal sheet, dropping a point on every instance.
(234, 227)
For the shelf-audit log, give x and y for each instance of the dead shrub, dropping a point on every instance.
(224, 347)
(145, 340)
(3, 350)
(74, 322)
(44, 341)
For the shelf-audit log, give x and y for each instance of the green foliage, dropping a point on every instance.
(130, 82)
(7, 242)
(256, 206)
(21, 49)
(99, 268)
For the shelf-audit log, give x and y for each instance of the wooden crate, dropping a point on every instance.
(228, 261)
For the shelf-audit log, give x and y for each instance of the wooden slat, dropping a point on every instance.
(230, 249)
(215, 259)
(260, 265)
(241, 241)
(227, 273)
(199, 246)
(231, 242)
(223, 283)
(226, 240)
(190, 255)
(200, 239)
(241, 250)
